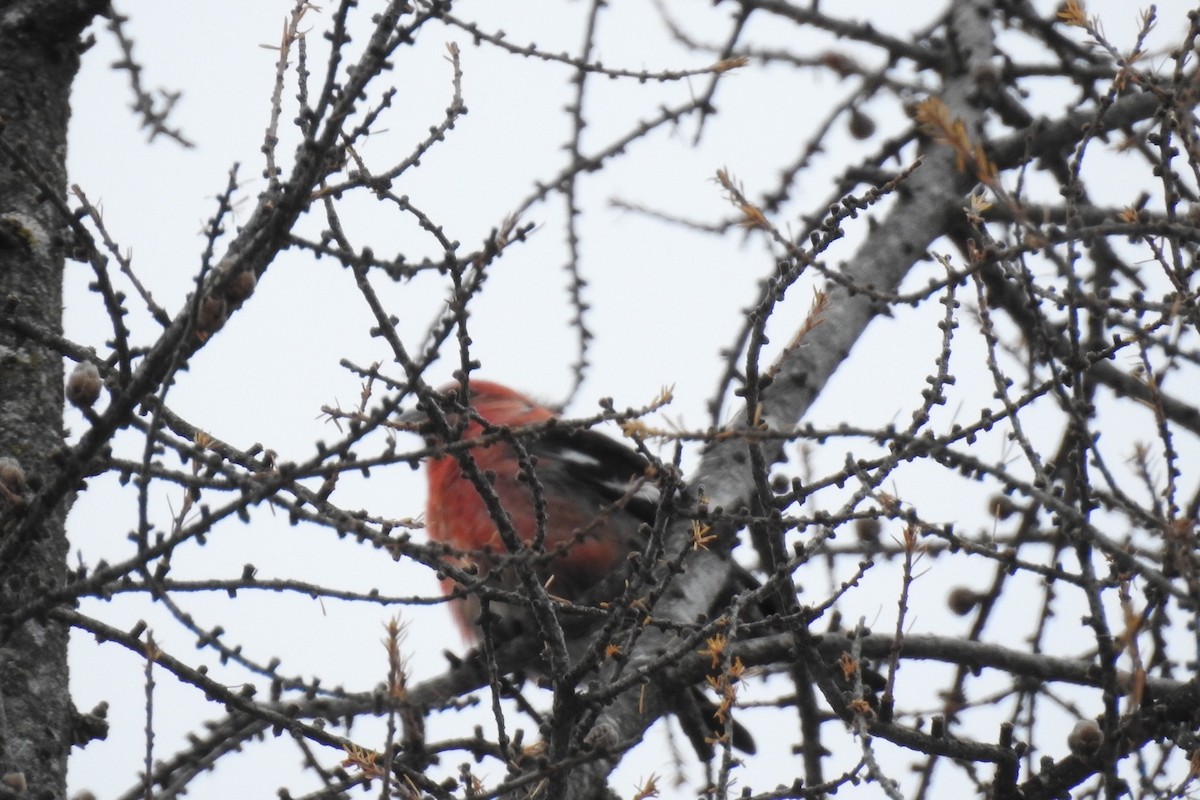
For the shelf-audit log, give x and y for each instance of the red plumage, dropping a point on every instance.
(587, 484)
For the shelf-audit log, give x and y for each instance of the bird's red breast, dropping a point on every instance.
(587, 534)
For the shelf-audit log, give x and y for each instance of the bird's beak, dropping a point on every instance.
(412, 420)
(416, 419)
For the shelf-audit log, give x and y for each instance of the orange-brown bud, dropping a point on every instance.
(962, 600)
(241, 287)
(211, 315)
(84, 385)
(12, 476)
(1085, 738)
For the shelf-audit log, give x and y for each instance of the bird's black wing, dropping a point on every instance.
(603, 466)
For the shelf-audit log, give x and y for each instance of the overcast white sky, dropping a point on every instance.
(665, 302)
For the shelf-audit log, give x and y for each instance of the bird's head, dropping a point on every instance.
(493, 403)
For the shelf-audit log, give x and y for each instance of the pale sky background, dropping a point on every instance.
(664, 303)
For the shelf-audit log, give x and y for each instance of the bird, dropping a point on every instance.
(577, 503)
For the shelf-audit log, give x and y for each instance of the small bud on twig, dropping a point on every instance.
(1085, 738)
(962, 600)
(84, 384)
(12, 480)
(15, 781)
(241, 287)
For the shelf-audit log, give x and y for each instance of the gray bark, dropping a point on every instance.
(39, 56)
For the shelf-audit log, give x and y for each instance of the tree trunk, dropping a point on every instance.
(39, 56)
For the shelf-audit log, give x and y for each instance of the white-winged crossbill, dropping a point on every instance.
(575, 501)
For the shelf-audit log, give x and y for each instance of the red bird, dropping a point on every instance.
(593, 490)
(591, 494)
